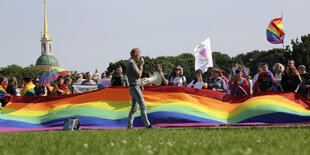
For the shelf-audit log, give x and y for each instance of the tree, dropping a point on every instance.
(301, 51)
(271, 57)
(112, 66)
(12, 70)
(34, 72)
(222, 61)
(20, 72)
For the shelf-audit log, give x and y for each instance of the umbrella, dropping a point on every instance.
(53, 75)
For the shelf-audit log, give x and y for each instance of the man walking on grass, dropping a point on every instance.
(134, 74)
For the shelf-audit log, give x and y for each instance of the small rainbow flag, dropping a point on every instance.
(167, 106)
(275, 32)
(2, 92)
(28, 89)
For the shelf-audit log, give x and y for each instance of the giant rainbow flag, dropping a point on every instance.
(167, 107)
(275, 32)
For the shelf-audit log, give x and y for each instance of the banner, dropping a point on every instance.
(167, 106)
(203, 56)
(83, 88)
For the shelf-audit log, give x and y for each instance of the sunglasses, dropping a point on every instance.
(177, 69)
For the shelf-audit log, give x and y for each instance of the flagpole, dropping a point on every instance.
(282, 21)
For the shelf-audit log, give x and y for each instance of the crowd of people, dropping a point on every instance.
(282, 78)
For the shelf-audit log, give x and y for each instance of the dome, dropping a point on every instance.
(96, 75)
(47, 60)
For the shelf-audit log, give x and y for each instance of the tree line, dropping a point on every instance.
(299, 51)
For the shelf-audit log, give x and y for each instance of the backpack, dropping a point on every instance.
(71, 124)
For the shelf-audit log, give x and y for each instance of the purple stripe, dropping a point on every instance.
(275, 41)
(162, 125)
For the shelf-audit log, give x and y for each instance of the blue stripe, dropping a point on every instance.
(159, 117)
(155, 117)
(278, 117)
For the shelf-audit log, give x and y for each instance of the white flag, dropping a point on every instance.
(203, 56)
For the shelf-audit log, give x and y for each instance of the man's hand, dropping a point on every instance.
(141, 62)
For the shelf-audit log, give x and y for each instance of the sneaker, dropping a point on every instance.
(152, 127)
(129, 127)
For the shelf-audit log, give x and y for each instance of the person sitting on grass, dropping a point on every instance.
(60, 88)
(198, 83)
(216, 82)
(28, 88)
(265, 80)
(240, 86)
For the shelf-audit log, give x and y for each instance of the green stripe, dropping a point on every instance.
(273, 33)
(2, 91)
(262, 110)
(102, 113)
(109, 114)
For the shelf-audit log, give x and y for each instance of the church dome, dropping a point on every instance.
(96, 76)
(47, 60)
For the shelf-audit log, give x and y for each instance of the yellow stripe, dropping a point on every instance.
(125, 106)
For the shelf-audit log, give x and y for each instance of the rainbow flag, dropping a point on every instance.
(3, 93)
(28, 89)
(167, 106)
(275, 32)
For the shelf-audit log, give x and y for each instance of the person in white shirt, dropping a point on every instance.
(198, 82)
(177, 78)
(278, 69)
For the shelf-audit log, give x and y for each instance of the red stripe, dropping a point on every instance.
(277, 28)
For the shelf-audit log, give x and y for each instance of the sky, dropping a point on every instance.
(87, 33)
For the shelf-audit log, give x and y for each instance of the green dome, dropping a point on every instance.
(47, 60)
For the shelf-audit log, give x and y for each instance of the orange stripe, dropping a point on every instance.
(209, 102)
(103, 95)
(150, 96)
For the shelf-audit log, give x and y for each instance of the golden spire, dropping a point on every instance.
(45, 34)
(96, 68)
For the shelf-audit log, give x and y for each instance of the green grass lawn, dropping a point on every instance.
(222, 140)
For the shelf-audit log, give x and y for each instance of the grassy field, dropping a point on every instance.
(223, 140)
